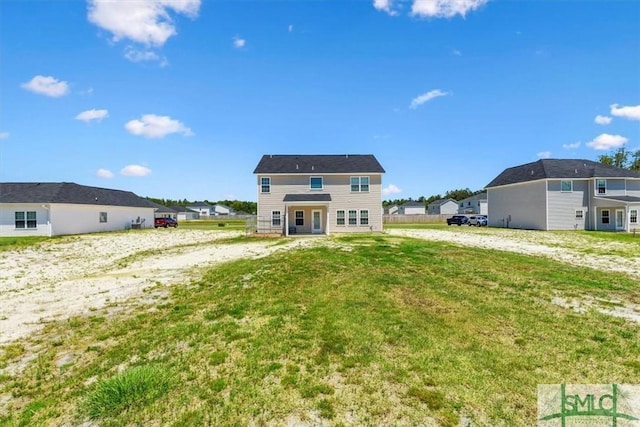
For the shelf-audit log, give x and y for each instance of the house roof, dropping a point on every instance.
(200, 205)
(307, 198)
(560, 169)
(180, 209)
(162, 208)
(68, 192)
(440, 202)
(413, 204)
(318, 164)
(625, 199)
(480, 196)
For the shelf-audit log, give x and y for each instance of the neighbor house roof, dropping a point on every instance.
(162, 208)
(440, 202)
(68, 193)
(200, 205)
(560, 169)
(480, 196)
(180, 209)
(413, 204)
(318, 164)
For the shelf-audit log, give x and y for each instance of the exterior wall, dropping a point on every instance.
(8, 224)
(633, 187)
(478, 207)
(615, 187)
(448, 208)
(60, 219)
(562, 206)
(518, 206)
(187, 216)
(411, 210)
(338, 186)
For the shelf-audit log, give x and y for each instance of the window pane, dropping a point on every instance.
(605, 217)
(340, 217)
(103, 217)
(579, 214)
(355, 183)
(315, 183)
(602, 186)
(353, 218)
(633, 216)
(364, 217)
(265, 184)
(566, 186)
(299, 218)
(364, 183)
(19, 216)
(275, 218)
(31, 215)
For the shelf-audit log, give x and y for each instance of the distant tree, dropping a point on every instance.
(622, 158)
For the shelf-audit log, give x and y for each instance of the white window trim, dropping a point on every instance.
(321, 183)
(360, 218)
(605, 187)
(608, 216)
(349, 218)
(26, 220)
(570, 185)
(360, 190)
(344, 217)
(631, 216)
(581, 217)
(273, 217)
(261, 185)
(295, 218)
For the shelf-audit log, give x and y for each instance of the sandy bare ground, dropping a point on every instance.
(80, 274)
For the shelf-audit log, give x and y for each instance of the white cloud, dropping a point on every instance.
(238, 42)
(602, 120)
(385, 6)
(47, 85)
(89, 115)
(137, 55)
(152, 126)
(104, 173)
(4, 135)
(290, 28)
(607, 142)
(445, 8)
(544, 154)
(143, 21)
(628, 112)
(572, 146)
(426, 97)
(135, 170)
(391, 189)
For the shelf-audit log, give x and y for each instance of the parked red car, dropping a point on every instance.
(165, 222)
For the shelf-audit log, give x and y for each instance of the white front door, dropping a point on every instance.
(619, 219)
(316, 221)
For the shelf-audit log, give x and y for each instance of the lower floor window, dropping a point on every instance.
(633, 216)
(579, 214)
(275, 219)
(364, 217)
(299, 218)
(340, 217)
(353, 217)
(26, 219)
(103, 217)
(605, 216)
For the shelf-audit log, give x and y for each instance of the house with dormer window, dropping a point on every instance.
(319, 194)
(565, 194)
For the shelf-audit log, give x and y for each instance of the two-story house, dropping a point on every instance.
(476, 204)
(319, 194)
(565, 194)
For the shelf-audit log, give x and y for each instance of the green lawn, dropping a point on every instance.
(372, 330)
(214, 224)
(12, 243)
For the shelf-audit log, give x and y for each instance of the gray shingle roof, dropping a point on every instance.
(318, 164)
(441, 202)
(307, 198)
(413, 204)
(68, 192)
(559, 169)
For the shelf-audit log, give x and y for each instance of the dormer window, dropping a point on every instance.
(315, 183)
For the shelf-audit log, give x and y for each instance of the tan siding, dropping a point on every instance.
(338, 186)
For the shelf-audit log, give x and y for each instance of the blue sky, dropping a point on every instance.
(180, 98)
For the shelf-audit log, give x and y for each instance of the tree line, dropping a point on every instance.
(456, 195)
(622, 158)
(236, 205)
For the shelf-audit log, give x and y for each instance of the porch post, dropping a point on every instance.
(286, 221)
(328, 222)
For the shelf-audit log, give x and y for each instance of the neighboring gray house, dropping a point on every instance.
(443, 207)
(473, 205)
(163, 211)
(565, 194)
(319, 194)
(185, 214)
(57, 208)
(412, 208)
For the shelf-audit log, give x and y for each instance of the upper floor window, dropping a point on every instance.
(26, 219)
(265, 185)
(315, 183)
(566, 186)
(601, 186)
(359, 184)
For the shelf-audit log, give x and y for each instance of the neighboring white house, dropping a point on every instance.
(185, 214)
(204, 210)
(163, 211)
(412, 208)
(565, 194)
(391, 210)
(223, 210)
(443, 207)
(52, 209)
(473, 205)
(319, 194)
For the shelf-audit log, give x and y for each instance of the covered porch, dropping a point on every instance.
(617, 213)
(306, 214)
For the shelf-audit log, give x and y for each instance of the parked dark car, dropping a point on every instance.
(165, 222)
(458, 219)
